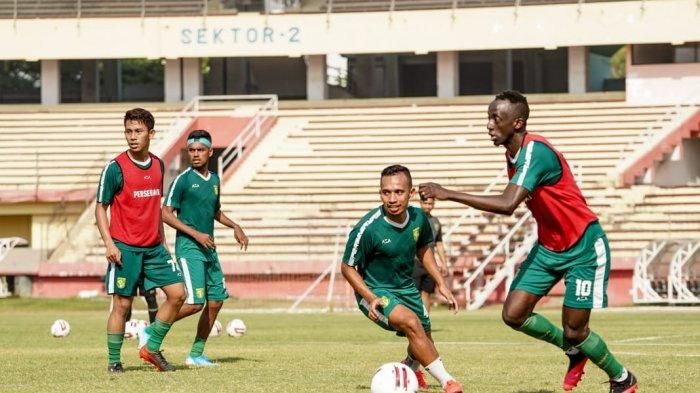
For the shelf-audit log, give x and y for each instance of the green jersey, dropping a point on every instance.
(383, 251)
(196, 200)
(542, 167)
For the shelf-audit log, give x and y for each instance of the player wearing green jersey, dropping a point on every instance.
(130, 188)
(571, 244)
(194, 195)
(378, 264)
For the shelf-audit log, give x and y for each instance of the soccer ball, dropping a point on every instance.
(394, 378)
(131, 329)
(216, 329)
(60, 328)
(140, 323)
(235, 328)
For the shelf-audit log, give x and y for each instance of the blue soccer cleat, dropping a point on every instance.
(143, 336)
(200, 361)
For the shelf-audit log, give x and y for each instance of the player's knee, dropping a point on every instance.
(412, 327)
(195, 308)
(575, 336)
(513, 319)
(215, 304)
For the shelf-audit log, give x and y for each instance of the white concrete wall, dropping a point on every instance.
(448, 74)
(172, 83)
(253, 35)
(683, 170)
(578, 69)
(663, 84)
(50, 82)
(316, 85)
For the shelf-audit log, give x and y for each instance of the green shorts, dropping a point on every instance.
(585, 268)
(204, 279)
(153, 264)
(391, 298)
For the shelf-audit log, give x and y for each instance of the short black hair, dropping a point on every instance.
(200, 134)
(140, 115)
(394, 169)
(517, 98)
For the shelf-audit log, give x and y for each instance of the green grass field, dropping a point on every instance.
(333, 352)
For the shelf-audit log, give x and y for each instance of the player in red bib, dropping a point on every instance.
(131, 187)
(571, 243)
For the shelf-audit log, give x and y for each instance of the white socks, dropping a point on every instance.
(437, 370)
(622, 376)
(572, 351)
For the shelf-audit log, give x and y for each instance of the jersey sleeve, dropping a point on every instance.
(162, 174)
(537, 165)
(110, 184)
(438, 233)
(425, 237)
(218, 195)
(358, 246)
(175, 193)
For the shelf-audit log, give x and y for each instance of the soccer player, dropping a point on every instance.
(424, 281)
(151, 302)
(378, 264)
(131, 187)
(194, 195)
(571, 243)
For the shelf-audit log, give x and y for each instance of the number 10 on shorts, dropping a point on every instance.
(583, 287)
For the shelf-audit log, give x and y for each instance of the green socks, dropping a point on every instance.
(157, 330)
(595, 349)
(114, 346)
(593, 346)
(540, 328)
(198, 347)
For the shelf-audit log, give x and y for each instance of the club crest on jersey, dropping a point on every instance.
(385, 301)
(416, 233)
(121, 282)
(216, 190)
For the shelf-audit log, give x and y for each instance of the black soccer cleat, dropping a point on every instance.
(155, 358)
(115, 368)
(628, 385)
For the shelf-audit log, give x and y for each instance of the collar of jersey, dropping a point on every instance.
(393, 224)
(202, 176)
(140, 164)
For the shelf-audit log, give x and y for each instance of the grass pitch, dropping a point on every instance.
(334, 352)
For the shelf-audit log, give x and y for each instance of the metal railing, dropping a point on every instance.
(503, 247)
(471, 213)
(654, 132)
(20, 9)
(402, 5)
(250, 133)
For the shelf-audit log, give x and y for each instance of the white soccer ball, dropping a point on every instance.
(140, 323)
(235, 328)
(60, 328)
(216, 329)
(394, 378)
(131, 329)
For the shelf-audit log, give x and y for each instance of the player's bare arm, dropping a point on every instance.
(358, 284)
(171, 219)
(442, 257)
(506, 203)
(112, 253)
(238, 232)
(426, 256)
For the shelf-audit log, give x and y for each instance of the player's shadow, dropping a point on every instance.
(534, 391)
(362, 387)
(233, 359)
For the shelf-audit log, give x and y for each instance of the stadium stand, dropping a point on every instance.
(323, 176)
(61, 152)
